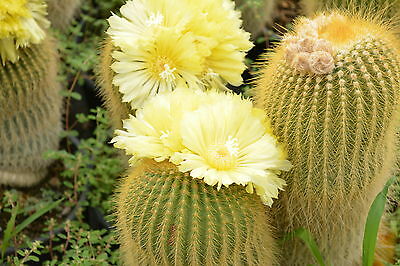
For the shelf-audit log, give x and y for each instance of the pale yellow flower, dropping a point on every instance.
(227, 143)
(157, 65)
(22, 22)
(164, 44)
(154, 131)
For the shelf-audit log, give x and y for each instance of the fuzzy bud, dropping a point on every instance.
(321, 62)
(301, 62)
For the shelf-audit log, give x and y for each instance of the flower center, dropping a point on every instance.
(224, 156)
(155, 20)
(168, 73)
(164, 134)
(162, 69)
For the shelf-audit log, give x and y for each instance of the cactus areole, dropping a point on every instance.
(331, 90)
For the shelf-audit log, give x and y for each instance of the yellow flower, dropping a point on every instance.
(164, 44)
(157, 65)
(215, 136)
(22, 22)
(220, 25)
(228, 143)
(154, 132)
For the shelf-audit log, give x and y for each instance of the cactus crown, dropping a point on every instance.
(22, 22)
(314, 46)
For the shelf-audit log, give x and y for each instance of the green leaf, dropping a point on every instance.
(71, 94)
(305, 235)
(36, 215)
(372, 224)
(8, 234)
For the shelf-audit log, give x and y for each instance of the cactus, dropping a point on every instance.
(166, 217)
(388, 8)
(61, 12)
(256, 14)
(112, 97)
(30, 114)
(332, 90)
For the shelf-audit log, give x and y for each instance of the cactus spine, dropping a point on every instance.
(339, 125)
(61, 12)
(166, 217)
(388, 8)
(30, 114)
(256, 15)
(109, 92)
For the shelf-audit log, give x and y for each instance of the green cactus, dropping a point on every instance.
(166, 217)
(255, 14)
(332, 90)
(30, 114)
(61, 12)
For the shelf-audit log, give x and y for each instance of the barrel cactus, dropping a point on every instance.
(332, 90)
(166, 217)
(195, 193)
(256, 14)
(158, 45)
(30, 103)
(62, 12)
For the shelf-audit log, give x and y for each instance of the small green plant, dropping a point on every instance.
(12, 229)
(92, 170)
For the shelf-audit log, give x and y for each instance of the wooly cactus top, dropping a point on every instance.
(22, 22)
(318, 43)
(198, 132)
(158, 47)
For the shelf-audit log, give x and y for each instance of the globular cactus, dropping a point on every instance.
(30, 114)
(256, 14)
(156, 46)
(166, 217)
(188, 199)
(62, 12)
(30, 100)
(332, 91)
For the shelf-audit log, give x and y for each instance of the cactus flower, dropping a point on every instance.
(22, 22)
